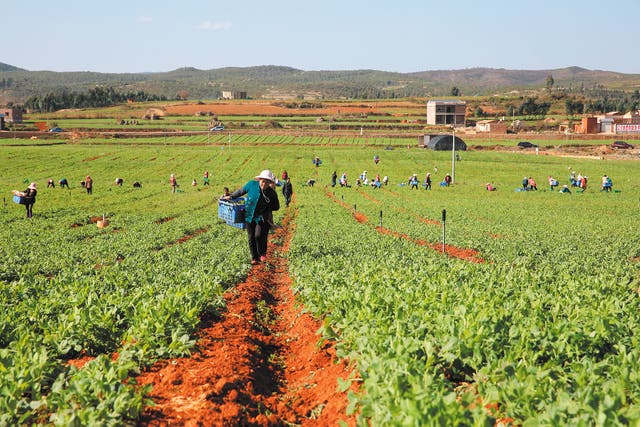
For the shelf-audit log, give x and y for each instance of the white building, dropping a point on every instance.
(228, 94)
(446, 112)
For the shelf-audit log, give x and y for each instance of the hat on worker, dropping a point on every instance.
(32, 186)
(267, 174)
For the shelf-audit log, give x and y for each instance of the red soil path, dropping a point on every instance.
(261, 364)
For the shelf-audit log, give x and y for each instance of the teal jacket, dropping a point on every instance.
(258, 205)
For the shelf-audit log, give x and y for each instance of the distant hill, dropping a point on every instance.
(281, 82)
(7, 67)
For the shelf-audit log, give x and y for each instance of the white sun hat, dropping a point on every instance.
(267, 174)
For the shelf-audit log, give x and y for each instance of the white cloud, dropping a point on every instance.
(214, 26)
(144, 19)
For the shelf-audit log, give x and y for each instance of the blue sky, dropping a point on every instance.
(398, 35)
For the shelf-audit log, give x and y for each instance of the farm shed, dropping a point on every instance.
(444, 143)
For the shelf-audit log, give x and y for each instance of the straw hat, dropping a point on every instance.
(267, 174)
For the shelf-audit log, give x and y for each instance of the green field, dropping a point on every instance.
(544, 331)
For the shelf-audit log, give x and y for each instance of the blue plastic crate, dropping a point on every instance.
(232, 212)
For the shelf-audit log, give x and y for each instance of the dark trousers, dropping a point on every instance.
(29, 207)
(257, 235)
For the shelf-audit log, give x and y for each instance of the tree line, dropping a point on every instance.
(93, 98)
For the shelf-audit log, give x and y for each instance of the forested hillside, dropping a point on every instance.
(17, 85)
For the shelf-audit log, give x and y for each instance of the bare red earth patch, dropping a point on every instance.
(258, 365)
(79, 362)
(164, 219)
(430, 221)
(370, 197)
(188, 236)
(360, 217)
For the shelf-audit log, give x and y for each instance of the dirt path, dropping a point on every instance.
(258, 365)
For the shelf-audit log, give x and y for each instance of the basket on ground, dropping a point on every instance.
(232, 212)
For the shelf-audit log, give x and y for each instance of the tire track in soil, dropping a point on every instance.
(260, 364)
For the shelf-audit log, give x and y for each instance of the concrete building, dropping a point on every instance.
(446, 112)
(228, 94)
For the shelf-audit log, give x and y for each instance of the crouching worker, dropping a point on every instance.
(262, 200)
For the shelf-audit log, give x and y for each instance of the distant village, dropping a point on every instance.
(453, 113)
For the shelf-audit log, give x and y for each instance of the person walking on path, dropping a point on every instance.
(262, 200)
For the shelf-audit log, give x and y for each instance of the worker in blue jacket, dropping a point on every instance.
(262, 200)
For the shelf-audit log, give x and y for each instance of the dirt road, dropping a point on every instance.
(257, 365)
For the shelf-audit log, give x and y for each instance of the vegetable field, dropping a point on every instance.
(529, 316)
